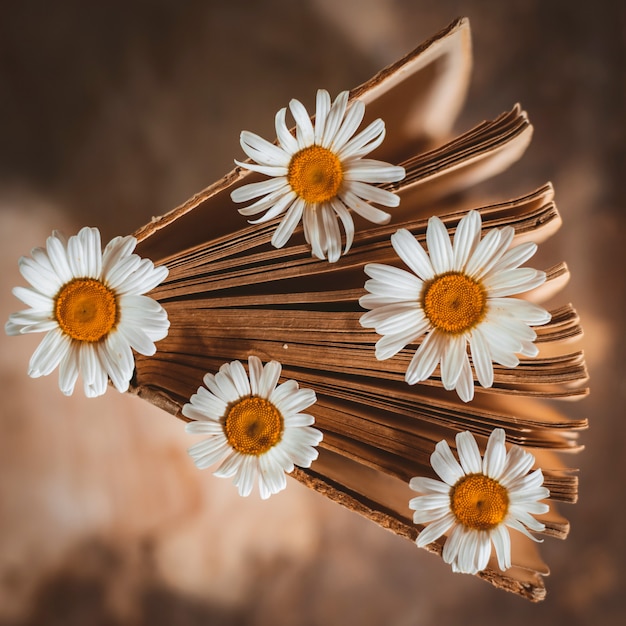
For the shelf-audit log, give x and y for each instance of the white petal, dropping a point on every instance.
(312, 231)
(453, 544)
(469, 455)
(406, 282)
(423, 484)
(521, 309)
(371, 171)
(391, 344)
(334, 118)
(203, 427)
(332, 233)
(362, 208)
(506, 236)
(346, 219)
(31, 321)
(262, 151)
(304, 128)
(284, 201)
(61, 264)
(322, 108)
(224, 380)
(466, 239)
(117, 249)
(137, 339)
(499, 339)
(426, 359)
(443, 462)
(365, 142)
(116, 357)
(511, 282)
(452, 360)
(256, 190)
(268, 170)
(68, 371)
(465, 383)
(231, 465)
(49, 353)
(142, 279)
(209, 452)
(371, 193)
(435, 530)
(120, 271)
(516, 256)
(483, 253)
(502, 543)
(412, 253)
(34, 299)
(271, 476)
(518, 462)
(246, 476)
(43, 280)
(481, 358)
(269, 378)
(285, 138)
(296, 402)
(288, 224)
(495, 454)
(255, 368)
(439, 246)
(394, 318)
(92, 250)
(352, 120)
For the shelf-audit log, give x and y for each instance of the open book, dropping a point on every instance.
(229, 294)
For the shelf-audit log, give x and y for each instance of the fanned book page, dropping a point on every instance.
(231, 294)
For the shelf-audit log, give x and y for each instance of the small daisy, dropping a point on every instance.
(476, 501)
(457, 296)
(253, 425)
(319, 174)
(91, 306)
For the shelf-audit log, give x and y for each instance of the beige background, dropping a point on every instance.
(111, 112)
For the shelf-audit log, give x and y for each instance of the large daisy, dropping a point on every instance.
(91, 306)
(319, 174)
(253, 425)
(457, 295)
(477, 500)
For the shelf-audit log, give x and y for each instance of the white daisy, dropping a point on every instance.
(252, 424)
(91, 306)
(457, 296)
(319, 174)
(478, 500)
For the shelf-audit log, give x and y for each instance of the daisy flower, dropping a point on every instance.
(477, 501)
(253, 425)
(91, 306)
(458, 295)
(319, 174)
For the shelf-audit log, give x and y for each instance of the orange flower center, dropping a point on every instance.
(479, 502)
(253, 425)
(315, 174)
(86, 310)
(454, 302)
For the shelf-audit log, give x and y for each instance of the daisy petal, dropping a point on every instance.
(412, 253)
(439, 246)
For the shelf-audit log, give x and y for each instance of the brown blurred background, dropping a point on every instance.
(112, 112)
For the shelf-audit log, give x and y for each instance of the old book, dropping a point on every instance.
(229, 294)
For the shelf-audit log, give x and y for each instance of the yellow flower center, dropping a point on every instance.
(454, 302)
(86, 310)
(479, 502)
(315, 174)
(253, 425)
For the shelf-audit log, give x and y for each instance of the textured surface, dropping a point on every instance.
(116, 112)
